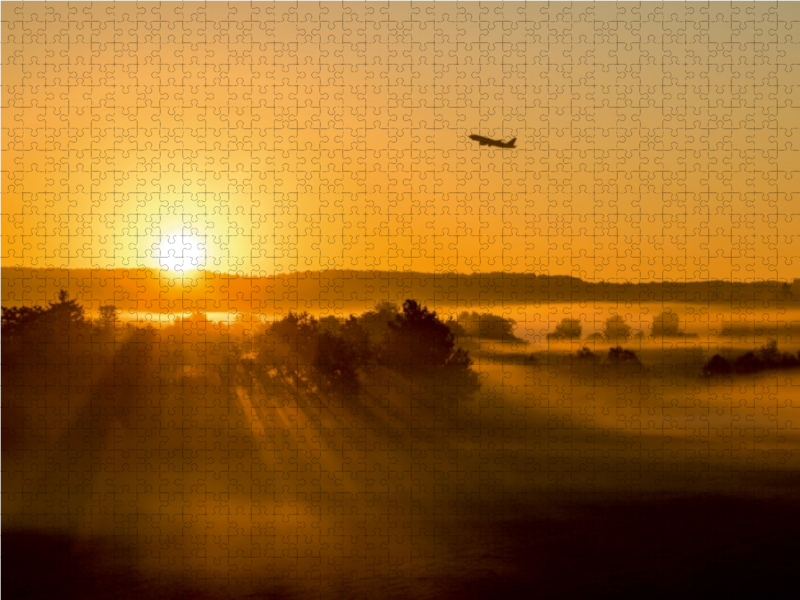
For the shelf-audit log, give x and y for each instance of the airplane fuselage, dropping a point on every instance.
(484, 141)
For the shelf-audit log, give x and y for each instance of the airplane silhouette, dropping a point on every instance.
(484, 141)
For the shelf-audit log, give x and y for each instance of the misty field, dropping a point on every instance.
(397, 453)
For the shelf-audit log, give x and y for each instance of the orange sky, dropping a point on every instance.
(652, 142)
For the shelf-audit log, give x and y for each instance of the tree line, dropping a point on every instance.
(331, 355)
(665, 325)
(766, 358)
(296, 352)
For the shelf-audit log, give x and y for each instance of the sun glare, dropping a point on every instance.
(182, 251)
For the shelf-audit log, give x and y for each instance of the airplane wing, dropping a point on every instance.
(484, 141)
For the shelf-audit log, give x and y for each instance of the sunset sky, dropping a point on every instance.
(653, 141)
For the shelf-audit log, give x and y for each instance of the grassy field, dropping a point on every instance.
(558, 478)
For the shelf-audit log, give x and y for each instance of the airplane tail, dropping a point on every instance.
(511, 143)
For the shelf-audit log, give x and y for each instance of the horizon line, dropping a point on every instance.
(194, 273)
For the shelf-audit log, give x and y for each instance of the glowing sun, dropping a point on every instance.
(182, 251)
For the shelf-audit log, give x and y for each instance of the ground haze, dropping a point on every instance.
(226, 459)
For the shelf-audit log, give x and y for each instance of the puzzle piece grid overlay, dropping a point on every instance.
(233, 163)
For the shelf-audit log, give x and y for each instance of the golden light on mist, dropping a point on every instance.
(276, 325)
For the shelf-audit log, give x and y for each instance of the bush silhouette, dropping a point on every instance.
(357, 337)
(104, 368)
(298, 353)
(51, 336)
(585, 355)
(109, 317)
(668, 324)
(749, 362)
(456, 327)
(717, 365)
(766, 358)
(376, 325)
(616, 329)
(65, 318)
(621, 356)
(337, 364)
(417, 338)
(568, 329)
(487, 326)
(293, 352)
(18, 320)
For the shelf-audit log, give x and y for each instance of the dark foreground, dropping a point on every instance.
(698, 547)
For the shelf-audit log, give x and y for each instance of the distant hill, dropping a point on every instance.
(144, 290)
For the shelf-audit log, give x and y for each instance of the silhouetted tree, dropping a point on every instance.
(769, 354)
(48, 361)
(66, 311)
(290, 348)
(48, 336)
(788, 361)
(749, 362)
(717, 365)
(768, 357)
(568, 329)
(585, 355)
(295, 352)
(621, 356)
(419, 342)
(418, 338)
(666, 324)
(357, 337)
(18, 320)
(616, 329)
(458, 371)
(376, 323)
(456, 327)
(488, 326)
(330, 323)
(109, 317)
(337, 364)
